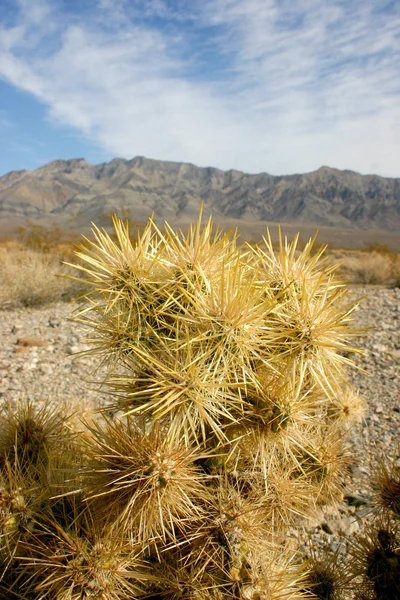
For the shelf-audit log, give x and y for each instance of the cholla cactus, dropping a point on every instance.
(374, 561)
(324, 577)
(386, 484)
(228, 385)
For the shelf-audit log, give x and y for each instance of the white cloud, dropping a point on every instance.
(303, 83)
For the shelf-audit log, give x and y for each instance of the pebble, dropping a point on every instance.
(74, 349)
(46, 369)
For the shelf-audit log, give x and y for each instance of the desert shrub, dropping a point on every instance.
(39, 237)
(31, 278)
(381, 248)
(395, 280)
(374, 267)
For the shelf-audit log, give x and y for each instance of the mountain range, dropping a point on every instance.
(73, 193)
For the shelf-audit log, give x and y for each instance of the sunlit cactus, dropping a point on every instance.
(347, 407)
(227, 376)
(147, 482)
(75, 562)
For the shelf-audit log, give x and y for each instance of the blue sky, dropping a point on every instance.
(282, 86)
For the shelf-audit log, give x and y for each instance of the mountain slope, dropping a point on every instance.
(75, 192)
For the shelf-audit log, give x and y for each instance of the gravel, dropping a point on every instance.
(38, 360)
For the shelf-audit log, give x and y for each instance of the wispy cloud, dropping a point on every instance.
(258, 85)
(5, 122)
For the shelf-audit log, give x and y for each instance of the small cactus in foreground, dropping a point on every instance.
(226, 368)
(374, 556)
(324, 578)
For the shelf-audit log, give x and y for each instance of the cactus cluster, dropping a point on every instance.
(371, 569)
(229, 409)
(374, 557)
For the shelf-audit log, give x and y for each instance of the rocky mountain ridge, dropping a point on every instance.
(74, 193)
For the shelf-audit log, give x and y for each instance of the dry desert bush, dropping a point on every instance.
(32, 278)
(374, 267)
